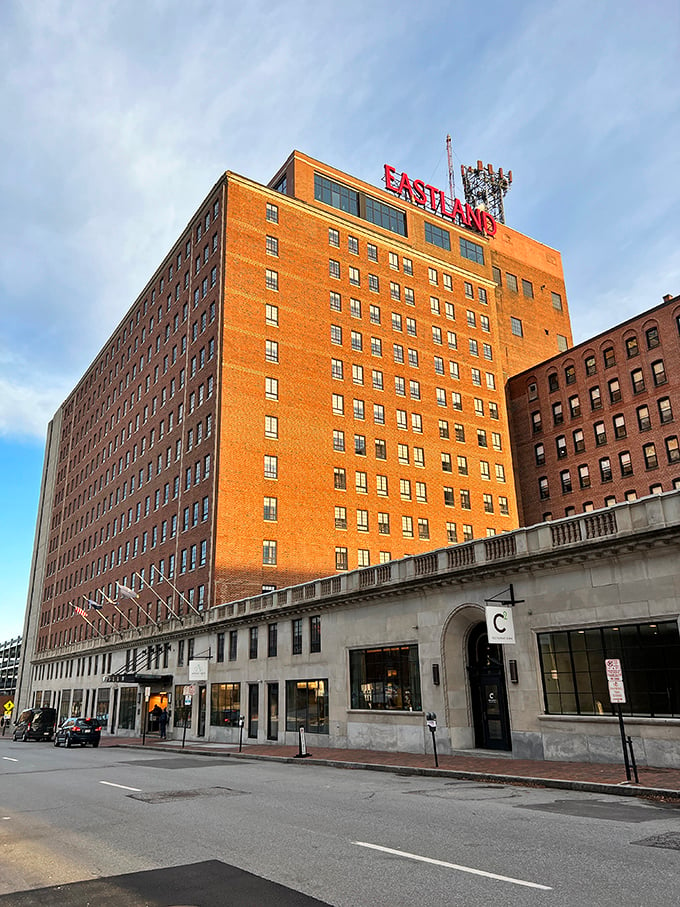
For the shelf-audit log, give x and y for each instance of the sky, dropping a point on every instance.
(119, 116)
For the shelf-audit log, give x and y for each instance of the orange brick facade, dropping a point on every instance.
(298, 390)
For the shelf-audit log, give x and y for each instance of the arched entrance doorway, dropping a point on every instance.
(487, 692)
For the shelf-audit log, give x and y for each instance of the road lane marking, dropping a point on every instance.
(477, 872)
(121, 786)
(9, 759)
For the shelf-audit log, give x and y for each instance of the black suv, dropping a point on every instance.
(78, 730)
(35, 724)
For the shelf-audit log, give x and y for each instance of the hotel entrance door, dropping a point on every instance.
(487, 689)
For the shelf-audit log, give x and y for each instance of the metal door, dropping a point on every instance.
(272, 711)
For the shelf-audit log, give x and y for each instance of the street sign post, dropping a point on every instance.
(617, 695)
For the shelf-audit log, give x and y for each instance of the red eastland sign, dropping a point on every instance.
(421, 193)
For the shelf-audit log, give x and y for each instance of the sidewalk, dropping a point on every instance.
(585, 776)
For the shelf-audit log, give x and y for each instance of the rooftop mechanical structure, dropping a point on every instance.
(486, 188)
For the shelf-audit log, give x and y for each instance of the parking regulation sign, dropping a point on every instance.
(499, 625)
(617, 692)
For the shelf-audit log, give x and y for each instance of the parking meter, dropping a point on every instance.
(431, 719)
(241, 722)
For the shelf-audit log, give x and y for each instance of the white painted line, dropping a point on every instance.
(9, 759)
(477, 872)
(121, 786)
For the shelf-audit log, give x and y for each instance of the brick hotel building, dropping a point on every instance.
(312, 381)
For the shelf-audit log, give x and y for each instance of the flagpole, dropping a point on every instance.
(150, 587)
(85, 618)
(103, 616)
(122, 614)
(201, 614)
(135, 598)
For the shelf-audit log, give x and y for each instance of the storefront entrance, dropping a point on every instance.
(487, 691)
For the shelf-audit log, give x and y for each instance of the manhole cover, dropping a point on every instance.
(670, 841)
(165, 796)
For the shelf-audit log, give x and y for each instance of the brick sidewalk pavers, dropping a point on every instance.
(661, 779)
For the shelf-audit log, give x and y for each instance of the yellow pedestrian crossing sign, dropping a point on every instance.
(9, 706)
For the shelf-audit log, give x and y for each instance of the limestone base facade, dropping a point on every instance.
(359, 659)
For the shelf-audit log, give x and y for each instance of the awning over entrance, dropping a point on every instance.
(135, 677)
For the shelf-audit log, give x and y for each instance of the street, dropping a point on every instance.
(134, 827)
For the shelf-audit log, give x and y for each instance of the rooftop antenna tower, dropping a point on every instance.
(485, 188)
(452, 184)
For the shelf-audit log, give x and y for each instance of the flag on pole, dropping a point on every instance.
(126, 592)
(79, 610)
(94, 604)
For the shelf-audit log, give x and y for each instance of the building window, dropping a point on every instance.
(539, 454)
(271, 351)
(614, 390)
(307, 706)
(561, 445)
(272, 213)
(625, 463)
(233, 645)
(672, 449)
(543, 488)
(609, 357)
(341, 559)
(385, 678)
(591, 365)
(658, 373)
(437, 237)
(584, 476)
(471, 250)
(314, 634)
(565, 479)
(649, 453)
(632, 348)
(252, 648)
(665, 410)
(269, 552)
(527, 289)
(272, 640)
(225, 704)
(511, 282)
(619, 426)
(270, 509)
(605, 469)
(637, 380)
(536, 422)
(271, 279)
(296, 636)
(516, 327)
(595, 398)
(556, 301)
(652, 336)
(579, 442)
(573, 669)
(558, 415)
(643, 418)
(271, 467)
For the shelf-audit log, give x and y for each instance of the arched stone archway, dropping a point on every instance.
(474, 682)
(455, 634)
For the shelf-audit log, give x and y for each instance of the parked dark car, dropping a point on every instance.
(35, 724)
(78, 730)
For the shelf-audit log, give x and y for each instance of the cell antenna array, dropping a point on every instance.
(486, 188)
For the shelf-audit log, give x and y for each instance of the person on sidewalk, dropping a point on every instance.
(163, 723)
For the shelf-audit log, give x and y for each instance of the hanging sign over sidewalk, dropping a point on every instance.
(499, 625)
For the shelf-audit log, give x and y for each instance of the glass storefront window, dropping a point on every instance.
(385, 678)
(225, 704)
(103, 706)
(127, 708)
(575, 680)
(77, 704)
(307, 706)
(182, 710)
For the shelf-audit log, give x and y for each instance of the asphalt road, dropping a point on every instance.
(132, 828)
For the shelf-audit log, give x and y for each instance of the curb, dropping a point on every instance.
(624, 789)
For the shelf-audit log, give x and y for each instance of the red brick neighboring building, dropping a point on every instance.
(311, 381)
(597, 424)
